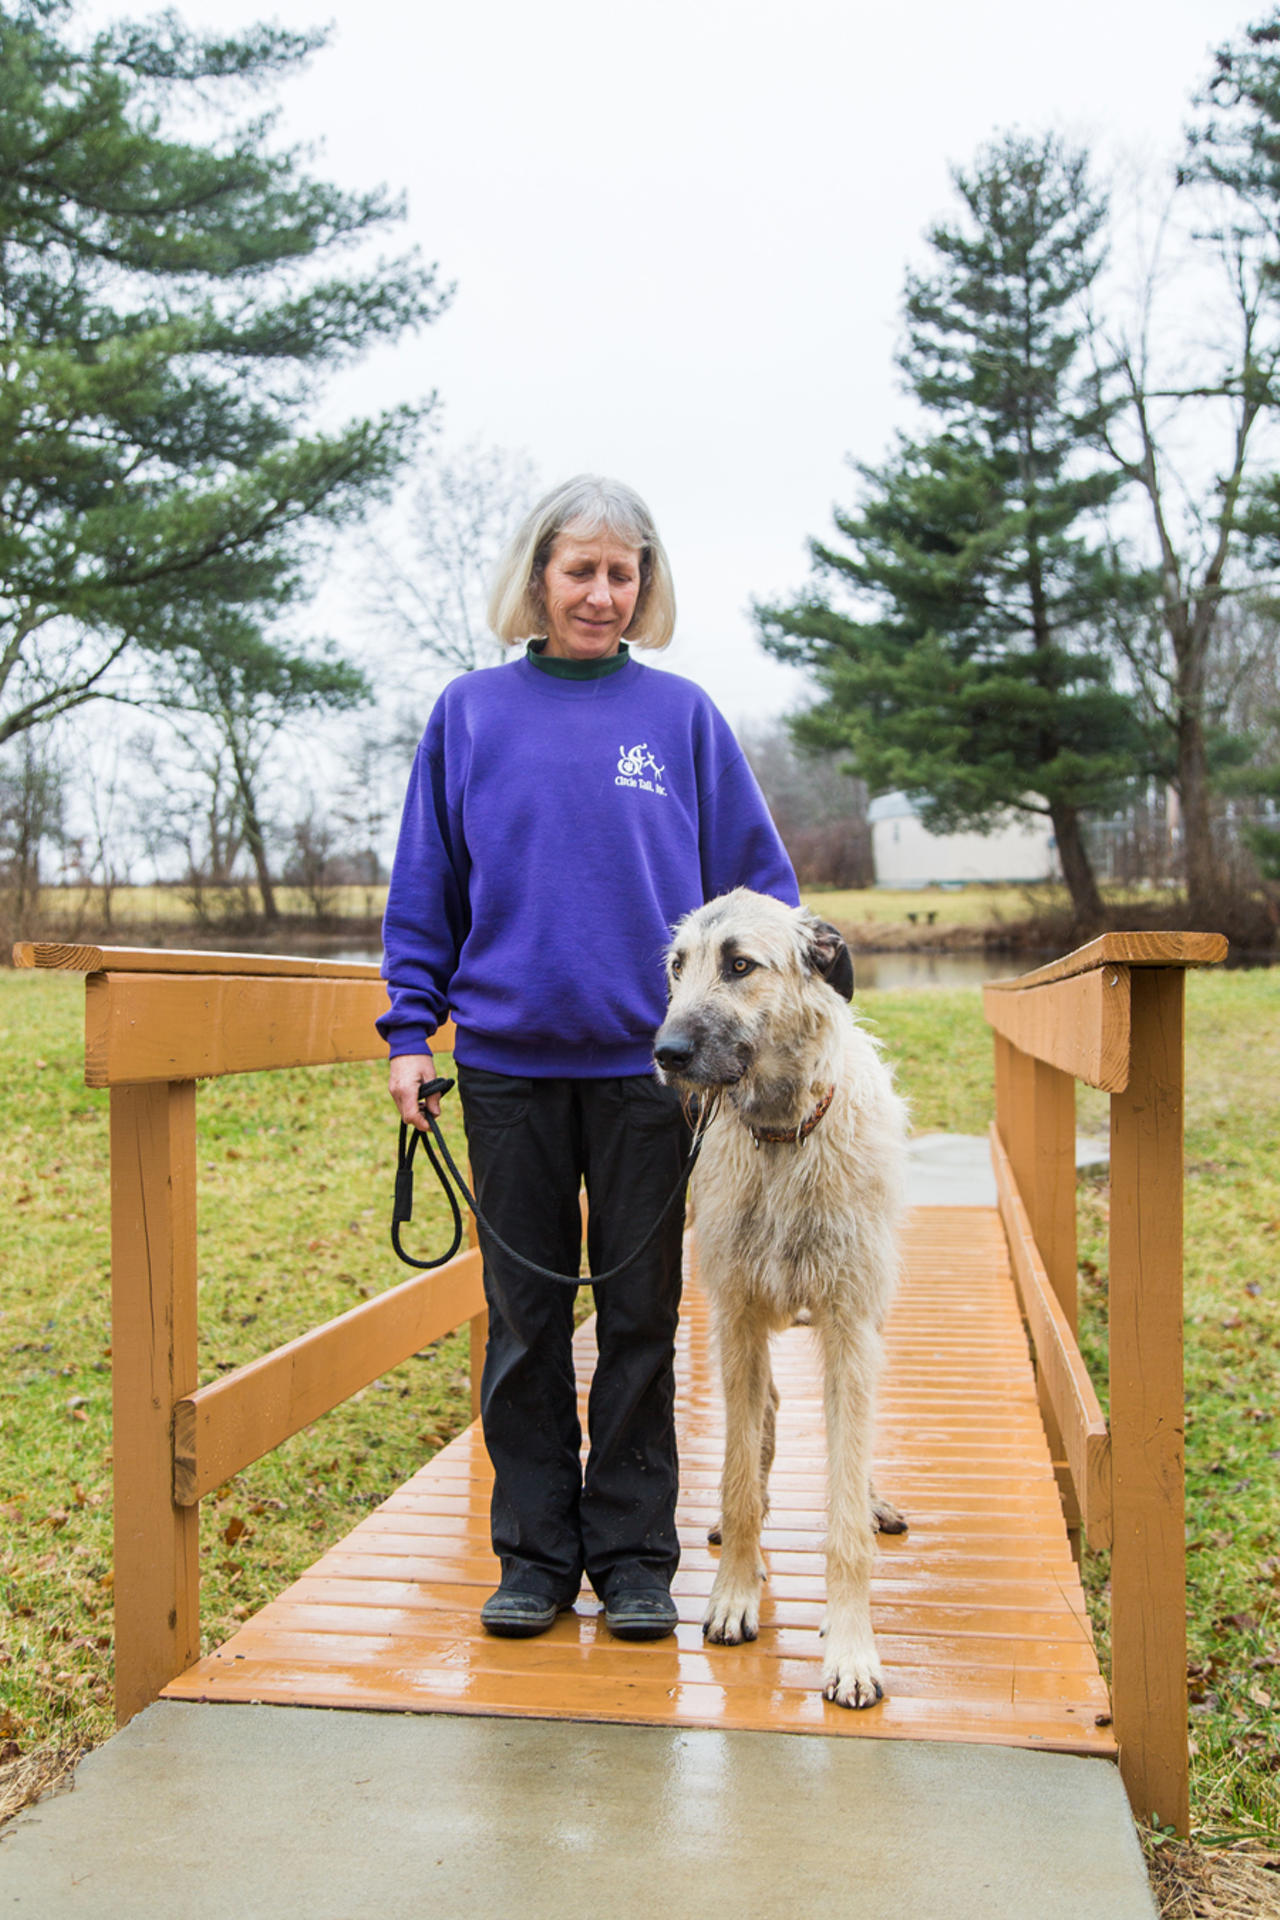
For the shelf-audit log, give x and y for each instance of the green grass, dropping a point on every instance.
(294, 1197)
(975, 906)
(166, 908)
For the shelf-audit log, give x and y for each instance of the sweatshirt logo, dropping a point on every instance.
(632, 767)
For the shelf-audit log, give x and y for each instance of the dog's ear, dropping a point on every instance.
(829, 956)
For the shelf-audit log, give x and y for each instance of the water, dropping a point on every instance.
(882, 972)
(874, 972)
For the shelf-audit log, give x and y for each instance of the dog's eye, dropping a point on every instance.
(676, 964)
(741, 966)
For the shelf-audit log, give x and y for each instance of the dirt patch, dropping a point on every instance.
(888, 936)
(1191, 1882)
(31, 1776)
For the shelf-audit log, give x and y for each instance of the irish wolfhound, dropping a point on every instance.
(797, 1195)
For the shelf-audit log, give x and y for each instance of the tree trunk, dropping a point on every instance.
(1204, 891)
(258, 848)
(254, 836)
(1076, 869)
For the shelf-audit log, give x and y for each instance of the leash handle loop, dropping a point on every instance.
(402, 1206)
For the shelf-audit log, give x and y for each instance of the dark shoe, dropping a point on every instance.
(645, 1613)
(519, 1616)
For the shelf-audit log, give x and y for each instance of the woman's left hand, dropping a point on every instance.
(409, 1072)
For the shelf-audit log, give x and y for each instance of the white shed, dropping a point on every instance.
(908, 855)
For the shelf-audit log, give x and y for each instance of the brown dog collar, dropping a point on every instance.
(784, 1136)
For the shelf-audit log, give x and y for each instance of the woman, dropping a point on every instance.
(563, 812)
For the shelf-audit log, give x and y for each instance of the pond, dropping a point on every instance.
(874, 972)
(886, 972)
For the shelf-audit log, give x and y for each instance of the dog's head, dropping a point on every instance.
(749, 981)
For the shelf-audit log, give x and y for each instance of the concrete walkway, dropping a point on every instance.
(954, 1169)
(293, 1813)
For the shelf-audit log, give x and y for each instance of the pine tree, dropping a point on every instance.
(981, 682)
(1215, 534)
(164, 333)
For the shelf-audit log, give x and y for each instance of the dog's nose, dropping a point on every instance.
(674, 1050)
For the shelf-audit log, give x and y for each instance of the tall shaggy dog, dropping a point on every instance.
(797, 1194)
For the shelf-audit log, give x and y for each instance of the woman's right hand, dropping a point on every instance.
(409, 1071)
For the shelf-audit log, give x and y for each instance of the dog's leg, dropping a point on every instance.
(733, 1612)
(768, 1447)
(851, 1674)
(885, 1517)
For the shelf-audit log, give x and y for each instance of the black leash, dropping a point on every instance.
(402, 1207)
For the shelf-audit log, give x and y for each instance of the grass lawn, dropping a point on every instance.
(294, 1198)
(976, 906)
(166, 910)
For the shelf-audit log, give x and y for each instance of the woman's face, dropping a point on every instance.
(591, 586)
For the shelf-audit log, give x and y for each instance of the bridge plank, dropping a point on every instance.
(1125, 950)
(1071, 1393)
(222, 1428)
(141, 1027)
(979, 1607)
(62, 958)
(1080, 1025)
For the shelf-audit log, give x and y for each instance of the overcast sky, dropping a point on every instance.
(678, 232)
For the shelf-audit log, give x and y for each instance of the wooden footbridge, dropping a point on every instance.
(990, 1434)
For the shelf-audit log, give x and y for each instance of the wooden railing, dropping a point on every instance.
(1112, 1016)
(155, 1022)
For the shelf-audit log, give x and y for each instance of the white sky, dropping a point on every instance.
(679, 230)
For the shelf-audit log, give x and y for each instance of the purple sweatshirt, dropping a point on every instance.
(554, 831)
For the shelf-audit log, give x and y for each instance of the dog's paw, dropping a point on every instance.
(853, 1681)
(885, 1517)
(732, 1615)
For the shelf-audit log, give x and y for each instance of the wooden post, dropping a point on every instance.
(1148, 1556)
(153, 1341)
(1040, 1138)
(1004, 1090)
(1052, 1199)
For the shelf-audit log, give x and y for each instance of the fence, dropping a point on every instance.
(1112, 1016)
(155, 1023)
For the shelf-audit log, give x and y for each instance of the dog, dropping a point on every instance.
(798, 1194)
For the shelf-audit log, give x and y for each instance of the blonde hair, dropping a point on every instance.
(588, 505)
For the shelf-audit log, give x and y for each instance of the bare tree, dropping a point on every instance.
(32, 808)
(429, 595)
(228, 706)
(1198, 367)
(819, 810)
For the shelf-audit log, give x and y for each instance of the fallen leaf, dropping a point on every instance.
(233, 1529)
(1242, 1622)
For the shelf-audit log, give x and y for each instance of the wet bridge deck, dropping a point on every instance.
(978, 1608)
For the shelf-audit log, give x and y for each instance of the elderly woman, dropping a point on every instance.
(563, 812)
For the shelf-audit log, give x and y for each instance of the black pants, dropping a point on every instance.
(532, 1143)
